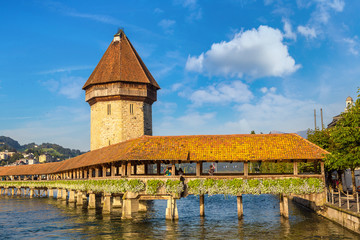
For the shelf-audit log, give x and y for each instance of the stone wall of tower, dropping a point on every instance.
(115, 121)
(136, 122)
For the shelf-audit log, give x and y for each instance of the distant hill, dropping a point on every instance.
(302, 133)
(10, 142)
(54, 150)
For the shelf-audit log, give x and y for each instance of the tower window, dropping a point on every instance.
(109, 109)
(131, 109)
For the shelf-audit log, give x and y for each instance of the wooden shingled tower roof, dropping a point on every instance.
(120, 63)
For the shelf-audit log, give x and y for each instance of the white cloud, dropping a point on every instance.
(165, 107)
(307, 32)
(167, 25)
(265, 89)
(288, 30)
(195, 11)
(158, 10)
(353, 45)
(255, 53)
(222, 94)
(273, 112)
(189, 124)
(70, 87)
(323, 9)
(195, 64)
(66, 69)
(337, 5)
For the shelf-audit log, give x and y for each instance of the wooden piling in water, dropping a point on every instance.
(239, 206)
(202, 206)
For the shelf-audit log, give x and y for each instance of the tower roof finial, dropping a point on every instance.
(119, 34)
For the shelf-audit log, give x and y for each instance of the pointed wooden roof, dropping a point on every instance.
(120, 63)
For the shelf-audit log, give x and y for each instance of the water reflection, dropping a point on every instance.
(43, 218)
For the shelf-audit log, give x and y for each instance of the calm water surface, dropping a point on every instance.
(43, 218)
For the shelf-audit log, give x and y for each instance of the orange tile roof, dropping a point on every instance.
(120, 63)
(241, 147)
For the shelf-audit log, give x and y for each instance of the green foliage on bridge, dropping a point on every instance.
(255, 186)
(109, 186)
(196, 187)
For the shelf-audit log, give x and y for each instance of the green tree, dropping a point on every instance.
(322, 139)
(14, 157)
(345, 137)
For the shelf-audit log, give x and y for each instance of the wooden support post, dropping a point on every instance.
(171, 210)
(113, 169)
(123, 170)
(129, 169)
(198, 168)
(107, 202)
(96, 172)
(18, 192)
(202, 206)
(347, 200)
(158, 168)
(92, 200)
(146, 169)
(322, 168)
(246, 169)
(284, 206)
(173, 168)
(296, 168)
(240, 210)
(357, 202)
(104, 170)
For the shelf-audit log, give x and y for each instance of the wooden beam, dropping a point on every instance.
(129, 169)
(296, 168)
(198, 168)
(123, 169)
(113, 169)
(246, 169)
(173, 168)
(158, 168)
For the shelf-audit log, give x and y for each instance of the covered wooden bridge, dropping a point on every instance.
(145, 158)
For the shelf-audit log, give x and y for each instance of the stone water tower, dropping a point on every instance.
(120, 92)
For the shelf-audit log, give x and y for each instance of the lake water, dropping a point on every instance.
(43, 218)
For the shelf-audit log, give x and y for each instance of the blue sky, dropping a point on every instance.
(225, 67)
